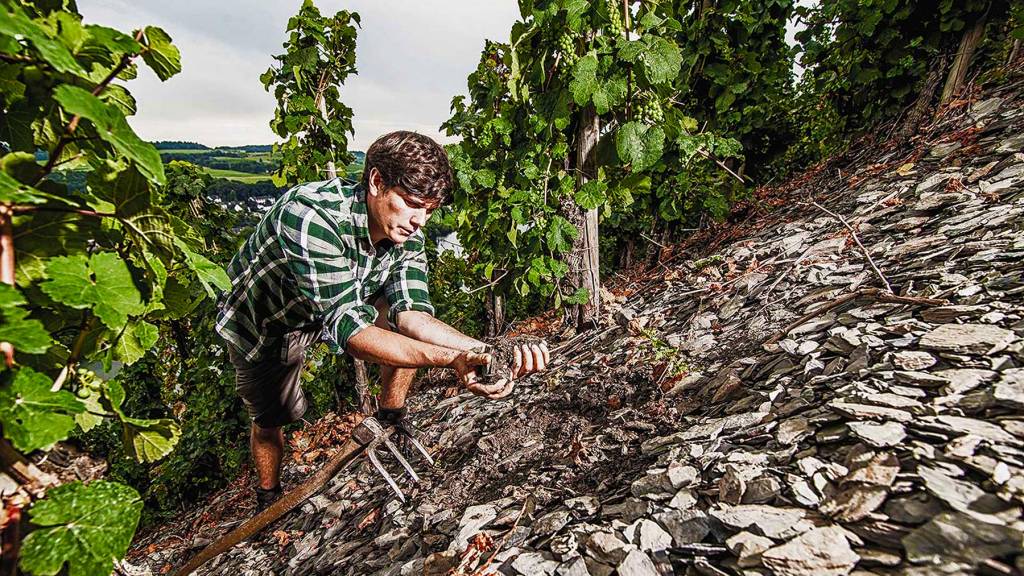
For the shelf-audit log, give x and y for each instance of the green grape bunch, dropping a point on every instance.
(567, 46)
(649, 110)
(88, 382)
(615, 27)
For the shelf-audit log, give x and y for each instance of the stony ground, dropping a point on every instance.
(761, 407)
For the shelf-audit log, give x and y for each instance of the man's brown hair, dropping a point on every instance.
(413, 161)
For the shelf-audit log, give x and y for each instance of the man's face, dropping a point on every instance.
(393, 213)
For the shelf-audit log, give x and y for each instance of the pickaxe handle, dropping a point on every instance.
(368, 431)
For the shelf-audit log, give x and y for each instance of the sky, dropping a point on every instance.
(413, 56)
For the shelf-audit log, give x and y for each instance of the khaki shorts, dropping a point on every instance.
(271, 388)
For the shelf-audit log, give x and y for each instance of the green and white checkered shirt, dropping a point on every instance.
(310, 263)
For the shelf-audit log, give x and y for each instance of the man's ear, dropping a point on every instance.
(376, 181)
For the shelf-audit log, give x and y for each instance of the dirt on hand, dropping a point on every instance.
(502, 358)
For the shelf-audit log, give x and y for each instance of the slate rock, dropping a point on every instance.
(818, 552)
(637, 563)
(769, 521)
(954, 536)
(968, 339)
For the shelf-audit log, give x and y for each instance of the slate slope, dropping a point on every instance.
(874, 438)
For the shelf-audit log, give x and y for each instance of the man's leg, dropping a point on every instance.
(267, 445)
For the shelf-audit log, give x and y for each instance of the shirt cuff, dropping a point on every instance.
(404, 306)
(348, 323)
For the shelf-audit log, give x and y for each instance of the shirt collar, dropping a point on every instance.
(361, 223)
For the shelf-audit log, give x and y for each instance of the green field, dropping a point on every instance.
(236, 175)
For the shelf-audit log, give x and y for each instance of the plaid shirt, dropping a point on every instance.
(310, 264)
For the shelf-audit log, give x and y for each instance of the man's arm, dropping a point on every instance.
(379, 346)
(425, 328)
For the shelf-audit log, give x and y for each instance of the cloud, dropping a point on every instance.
(412, 57)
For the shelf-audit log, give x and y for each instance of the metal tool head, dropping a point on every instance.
(372, 435)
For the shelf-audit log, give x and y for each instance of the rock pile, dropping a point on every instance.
(688, 435)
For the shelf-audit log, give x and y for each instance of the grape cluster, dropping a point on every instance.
(649, 111)
(615, 27)
(88, 383)
(567, 46)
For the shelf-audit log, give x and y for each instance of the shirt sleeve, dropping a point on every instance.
(322, 271)
(406, 288)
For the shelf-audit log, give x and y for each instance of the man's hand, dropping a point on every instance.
(529, 358)
(465, 366)
(526, 359)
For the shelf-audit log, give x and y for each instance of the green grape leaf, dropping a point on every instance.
(145, 440)
(137, 338)
(25, 334)
(33, 417)
(661, 60)
(113, 128)
(102, 282)
(160, 55)
(210, 275)
(640, 145)
(90, 417)
(580, 297)
(584, 79)
(17, 24)
(85, 526)
(592, 194)
(149, 440)
(14, 192)
(610, 94)
(560, 234)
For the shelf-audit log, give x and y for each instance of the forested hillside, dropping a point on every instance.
(780, 277)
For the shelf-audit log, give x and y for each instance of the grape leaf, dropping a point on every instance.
(150, 440)
(592, 194)
(102, 282)
(560, 234)
(14, 192)
(584, 79)
(33, 417)
(87, 526)
(112, 127)
(661, 60)
(160, 54)
(581, 297)
(17, 24)
(90, 417)
(609, 94)
(210, 275)
(26, 335)
(145, 440)
(640, 145)
(137, 338)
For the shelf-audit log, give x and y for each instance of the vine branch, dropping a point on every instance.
(856, 239)
(69, 130)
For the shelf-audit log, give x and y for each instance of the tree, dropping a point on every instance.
(561, 125)
(86, 274)
(319, 55)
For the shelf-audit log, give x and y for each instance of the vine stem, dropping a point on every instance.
(76, 351)
(7, 266)
(867, 255)
(69, 130)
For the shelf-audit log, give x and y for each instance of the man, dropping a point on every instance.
(346, 263)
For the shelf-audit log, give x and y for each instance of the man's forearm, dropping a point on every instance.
(425, 328)
(380, 346)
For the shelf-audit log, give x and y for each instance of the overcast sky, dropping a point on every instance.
(412, 56)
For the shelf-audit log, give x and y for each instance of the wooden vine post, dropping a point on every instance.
(587, 243)
(958, 73)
